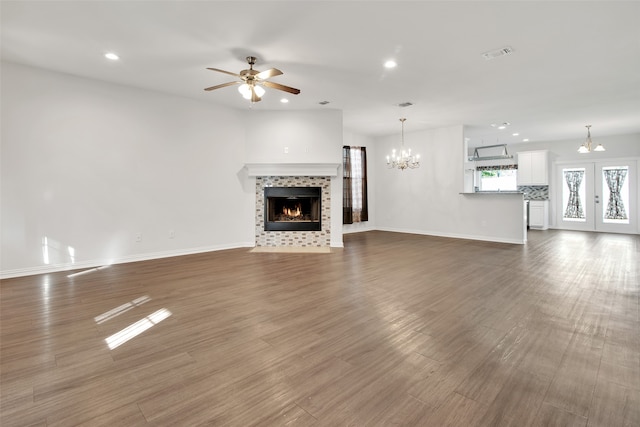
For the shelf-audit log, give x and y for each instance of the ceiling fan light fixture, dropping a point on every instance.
(245, 91)
(251, 81)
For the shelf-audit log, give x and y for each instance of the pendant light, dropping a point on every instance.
(586, 147)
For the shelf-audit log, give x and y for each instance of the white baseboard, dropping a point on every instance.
(454, 235)
(55, 268)
(358, 230)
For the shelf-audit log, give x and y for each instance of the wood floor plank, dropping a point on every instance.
(74, 399)
(550, 416)
(621, 365)
(542, 351)
(519, 401)
(459, 411)
(437, 388)
(573, 384)
(485, 382)
(406, 411)
(394, 329)
(128, 415)
(614, 405)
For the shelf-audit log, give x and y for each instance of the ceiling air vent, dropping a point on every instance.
(493, 54)
(323, 102)
(405, 104)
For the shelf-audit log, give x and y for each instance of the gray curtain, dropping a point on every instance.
(615, 180)
(347, 195)
(574, 205)
(354, 190)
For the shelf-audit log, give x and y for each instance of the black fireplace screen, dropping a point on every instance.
(292, 208)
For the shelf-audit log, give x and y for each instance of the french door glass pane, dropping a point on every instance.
(573, 194)
(615, 194)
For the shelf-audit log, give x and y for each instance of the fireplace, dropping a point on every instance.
(292, 208)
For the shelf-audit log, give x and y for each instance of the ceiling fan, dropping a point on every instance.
(251, 80)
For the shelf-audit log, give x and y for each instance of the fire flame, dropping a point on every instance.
(297, 211)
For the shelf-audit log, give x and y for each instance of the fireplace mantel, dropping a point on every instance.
(292, 169)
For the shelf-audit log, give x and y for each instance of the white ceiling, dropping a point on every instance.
(574, 63)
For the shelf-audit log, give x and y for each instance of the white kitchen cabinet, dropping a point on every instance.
(533, 168)
(539, 214)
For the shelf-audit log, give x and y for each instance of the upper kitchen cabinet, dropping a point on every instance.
(533, 168)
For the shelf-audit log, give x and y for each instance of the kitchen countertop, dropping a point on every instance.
(495, 192)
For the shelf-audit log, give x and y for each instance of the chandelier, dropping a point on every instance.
(586, 147)
(404, 159)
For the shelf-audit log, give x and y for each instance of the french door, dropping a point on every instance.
(598, 196)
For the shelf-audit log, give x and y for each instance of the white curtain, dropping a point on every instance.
(615, 180)
(574, 205)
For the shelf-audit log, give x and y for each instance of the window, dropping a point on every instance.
(497, 178)
(354, 189)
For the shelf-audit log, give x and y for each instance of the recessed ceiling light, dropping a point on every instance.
(525, 140)
(515, 134)
(390, 64)
(284, 100)
(112, 56)
(500, 125)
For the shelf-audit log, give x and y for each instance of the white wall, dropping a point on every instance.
(427, 200)
(310, 136)
(617, 146)
(88, 165)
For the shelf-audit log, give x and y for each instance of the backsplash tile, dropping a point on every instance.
(535, 192)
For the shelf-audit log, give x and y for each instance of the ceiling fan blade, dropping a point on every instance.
(222, 85)
(254, 95)
(268, 73)
(281, 87)
(223, 71)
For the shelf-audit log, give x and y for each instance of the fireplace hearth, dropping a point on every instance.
(292, 208)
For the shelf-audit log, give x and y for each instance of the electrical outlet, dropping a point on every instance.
(138, 237)
(172, 234)
(286, 150)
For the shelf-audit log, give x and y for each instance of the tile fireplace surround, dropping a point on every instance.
(320, 238)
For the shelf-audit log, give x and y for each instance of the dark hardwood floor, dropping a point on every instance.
(395, 329)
